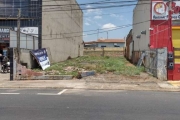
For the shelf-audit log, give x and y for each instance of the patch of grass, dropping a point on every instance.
(117, 65)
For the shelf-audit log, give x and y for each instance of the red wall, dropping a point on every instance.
(159, 36)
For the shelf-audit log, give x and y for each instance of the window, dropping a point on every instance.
(103, 46)
(116, 46)
(9, 8)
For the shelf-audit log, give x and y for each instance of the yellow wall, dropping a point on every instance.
(176, 42)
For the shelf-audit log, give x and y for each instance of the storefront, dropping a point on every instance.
(4, 40)
(155, 23)
(30, 18)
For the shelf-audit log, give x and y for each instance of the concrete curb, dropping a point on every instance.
(145, 89)
(85, 86)
(48, 77)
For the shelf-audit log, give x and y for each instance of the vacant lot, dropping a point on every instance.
(102, 65)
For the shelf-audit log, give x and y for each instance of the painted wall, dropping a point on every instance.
(110, 44)
(159, 33)
(27, 58)
(62, 30)
(159, 36)
(141, 22)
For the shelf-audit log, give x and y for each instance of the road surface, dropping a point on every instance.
(23, 104)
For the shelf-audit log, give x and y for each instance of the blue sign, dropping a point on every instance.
(42, 57)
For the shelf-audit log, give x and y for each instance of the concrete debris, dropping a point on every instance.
(24, 72)
(87, 73)
(70, 68)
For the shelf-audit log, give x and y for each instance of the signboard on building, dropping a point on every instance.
(29, 30)
(4, 34)
(42, 57)
(160, 10)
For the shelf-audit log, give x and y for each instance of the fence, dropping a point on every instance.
(112, 52)
(155, 62)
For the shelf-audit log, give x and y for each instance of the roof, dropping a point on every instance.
(106, 41)
(110, 41)
(90, 42)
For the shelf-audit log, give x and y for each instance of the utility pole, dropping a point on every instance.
(170, 26)
(170, 45)
(98, 34)
(107, 35)
(18, 35)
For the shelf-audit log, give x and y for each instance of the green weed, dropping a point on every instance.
(117, 65)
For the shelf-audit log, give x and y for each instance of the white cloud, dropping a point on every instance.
(114, 15)
(120, 17)
(92, 11)
(88, 21)
(98, 11)
(97, 17)
(87, 24)
(109, 26)
(88, 6)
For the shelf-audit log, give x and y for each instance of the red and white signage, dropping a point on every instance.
(160, 10)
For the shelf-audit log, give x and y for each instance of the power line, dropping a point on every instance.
(71, 9)
(77, 32)
(92, 3)
(110, 29)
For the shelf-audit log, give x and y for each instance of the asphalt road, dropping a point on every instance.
(88, 105)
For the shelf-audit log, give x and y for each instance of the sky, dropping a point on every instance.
(105, 19)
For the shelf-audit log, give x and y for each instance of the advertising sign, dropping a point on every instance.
(42, 57)
(160, 10)
(4, 34)
(29, 30)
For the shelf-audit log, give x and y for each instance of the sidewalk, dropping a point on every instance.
(4, 77)
(100, 82)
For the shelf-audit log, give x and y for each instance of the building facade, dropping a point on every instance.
(151, 30)
(62, 29)
(30, 18)
(57, 24)
(129, 44)
(106, 43)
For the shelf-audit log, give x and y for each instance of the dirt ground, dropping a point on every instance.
(110, 77)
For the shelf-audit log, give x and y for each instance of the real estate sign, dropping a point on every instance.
(160, 10)
(42, 57)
